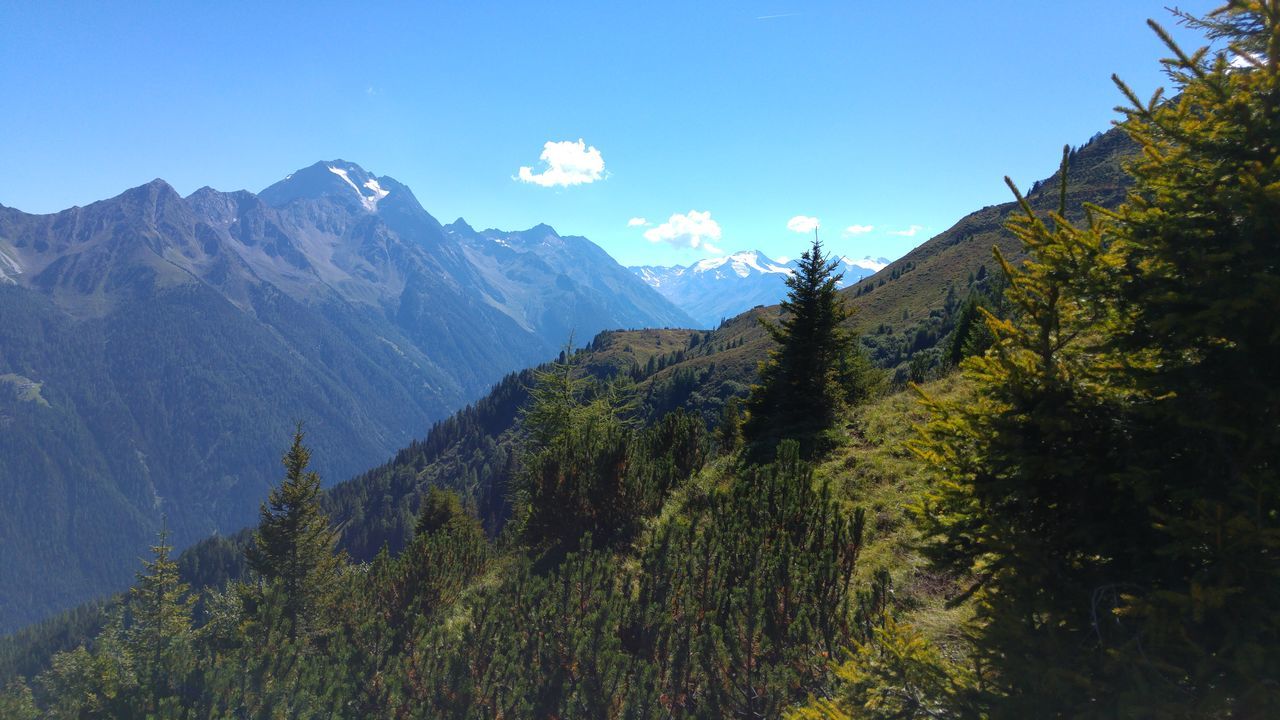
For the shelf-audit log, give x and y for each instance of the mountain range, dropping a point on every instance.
(714, 289)
(156, 351)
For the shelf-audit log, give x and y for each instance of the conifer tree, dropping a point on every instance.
(814, 370)
(1029, 506)
(17, 701)
(440, 507)
(574, 441)
(729, 430)
(159, 637)
(1112, 486)
(292, 553)
(1198, 293)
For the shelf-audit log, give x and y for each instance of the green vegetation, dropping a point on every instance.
(815, 370)
(1080, 522)
(291, 559)
(24, 389)
(1111, 490)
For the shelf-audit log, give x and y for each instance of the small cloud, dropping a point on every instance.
(909, 232)
(854, 230)
(567, 163)
(802, 224)
(693, 230)
(783, 259)
(638, 222)
(370, 90)
(774, 17)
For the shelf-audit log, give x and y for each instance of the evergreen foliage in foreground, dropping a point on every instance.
(728, 606)
(1113, 489)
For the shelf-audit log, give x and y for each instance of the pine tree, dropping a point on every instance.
(571, 458)
(159, 637)
(292, 553)
(440, 507)
(17, 701)
(729, 430)
(1197, 298)
(815, 368)
(1029, 505)
(1111, 488)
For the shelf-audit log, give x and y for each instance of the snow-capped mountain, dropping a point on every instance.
(717, 288)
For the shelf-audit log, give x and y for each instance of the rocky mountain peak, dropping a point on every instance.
(339, 179)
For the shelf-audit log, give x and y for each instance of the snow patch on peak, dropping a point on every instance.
(370, 202)
(742, 263)
(651, 278)
(9, 269)
(372, 184)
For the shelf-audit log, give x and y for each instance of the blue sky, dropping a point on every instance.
(714, 122)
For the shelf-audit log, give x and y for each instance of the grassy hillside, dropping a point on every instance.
(909, 307)
(875, 470)
(916, 284)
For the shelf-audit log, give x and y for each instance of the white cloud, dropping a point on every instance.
(567, 163)
(853, 230)
(802, 224)
(695, 229)
(637, 222)
(909, 232)
(783, 259)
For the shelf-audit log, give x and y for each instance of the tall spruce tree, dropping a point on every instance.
(1112, 488)
(159, 636)
(292, 553)
(1029, 508)
(17, 702)
(815, 368)
(1197, 299)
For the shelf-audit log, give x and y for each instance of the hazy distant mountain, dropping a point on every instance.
(560, 285)
(717, 288)
(155, 351)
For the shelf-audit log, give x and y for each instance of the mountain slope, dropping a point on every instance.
(155, 349)
(717, 288)
(560, 285)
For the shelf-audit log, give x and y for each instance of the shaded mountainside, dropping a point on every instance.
(473, 452)
(560, 285)
(158, 348)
